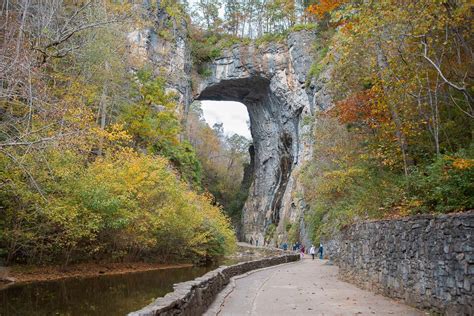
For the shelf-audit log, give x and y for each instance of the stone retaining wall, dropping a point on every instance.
(426, 261)
(194, 297)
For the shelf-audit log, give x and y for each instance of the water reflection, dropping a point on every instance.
(103, 295)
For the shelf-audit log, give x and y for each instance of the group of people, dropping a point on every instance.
(300, 247)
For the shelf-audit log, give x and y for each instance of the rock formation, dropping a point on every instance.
(167, 56)
(271, 80)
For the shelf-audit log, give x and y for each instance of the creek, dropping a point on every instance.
(100, 295)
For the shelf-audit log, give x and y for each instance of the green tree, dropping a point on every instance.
(154, 124)
(208, 13)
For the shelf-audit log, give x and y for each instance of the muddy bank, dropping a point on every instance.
(26, 274)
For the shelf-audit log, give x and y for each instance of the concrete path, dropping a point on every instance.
(303, 288)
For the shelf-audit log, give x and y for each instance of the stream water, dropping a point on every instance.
(102, 295)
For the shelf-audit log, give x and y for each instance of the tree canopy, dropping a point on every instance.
(401, 79)
(93, 165)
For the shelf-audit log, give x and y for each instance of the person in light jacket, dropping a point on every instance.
(312, 251)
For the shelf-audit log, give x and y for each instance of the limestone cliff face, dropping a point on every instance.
(271, 81)
(168, 54)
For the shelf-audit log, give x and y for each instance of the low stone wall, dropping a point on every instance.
(194, 297)
(426, 261)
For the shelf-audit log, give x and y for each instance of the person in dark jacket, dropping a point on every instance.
(320, 251)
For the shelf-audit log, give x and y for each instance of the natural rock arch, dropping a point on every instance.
(271, 82)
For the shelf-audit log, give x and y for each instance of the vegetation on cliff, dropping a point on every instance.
(398, 140)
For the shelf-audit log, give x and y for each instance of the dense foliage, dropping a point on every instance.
(92, 165)
(153, 123)
(399, 139)
(123, 205)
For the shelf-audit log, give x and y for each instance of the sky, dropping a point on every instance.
(234, 115)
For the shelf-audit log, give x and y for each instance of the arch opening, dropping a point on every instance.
(232, 115)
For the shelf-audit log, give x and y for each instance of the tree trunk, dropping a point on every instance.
(401, 137)
(103, 109)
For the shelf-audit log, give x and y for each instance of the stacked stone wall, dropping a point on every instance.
(426, 261)
(194, 297)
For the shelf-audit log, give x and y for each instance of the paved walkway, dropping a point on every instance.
(303, 288)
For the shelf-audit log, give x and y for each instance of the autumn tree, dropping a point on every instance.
(324, 8)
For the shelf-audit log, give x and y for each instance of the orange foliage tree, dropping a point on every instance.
(325, 7)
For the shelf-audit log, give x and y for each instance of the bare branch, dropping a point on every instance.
(13, 144)
(459, 88)
(459, 107)
(71, 32)
(72, 17)
(63, 38)
(28, 173)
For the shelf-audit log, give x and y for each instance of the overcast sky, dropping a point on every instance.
(234, 115)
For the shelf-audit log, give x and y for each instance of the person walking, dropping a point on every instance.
(312, 251)
(320, 251)
(302, 251)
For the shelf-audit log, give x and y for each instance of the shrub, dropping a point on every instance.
(304, 27)
(270, 232)
(271, 38)
(122, 206)
(205, 72)
(294, 233)
(444, 186)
